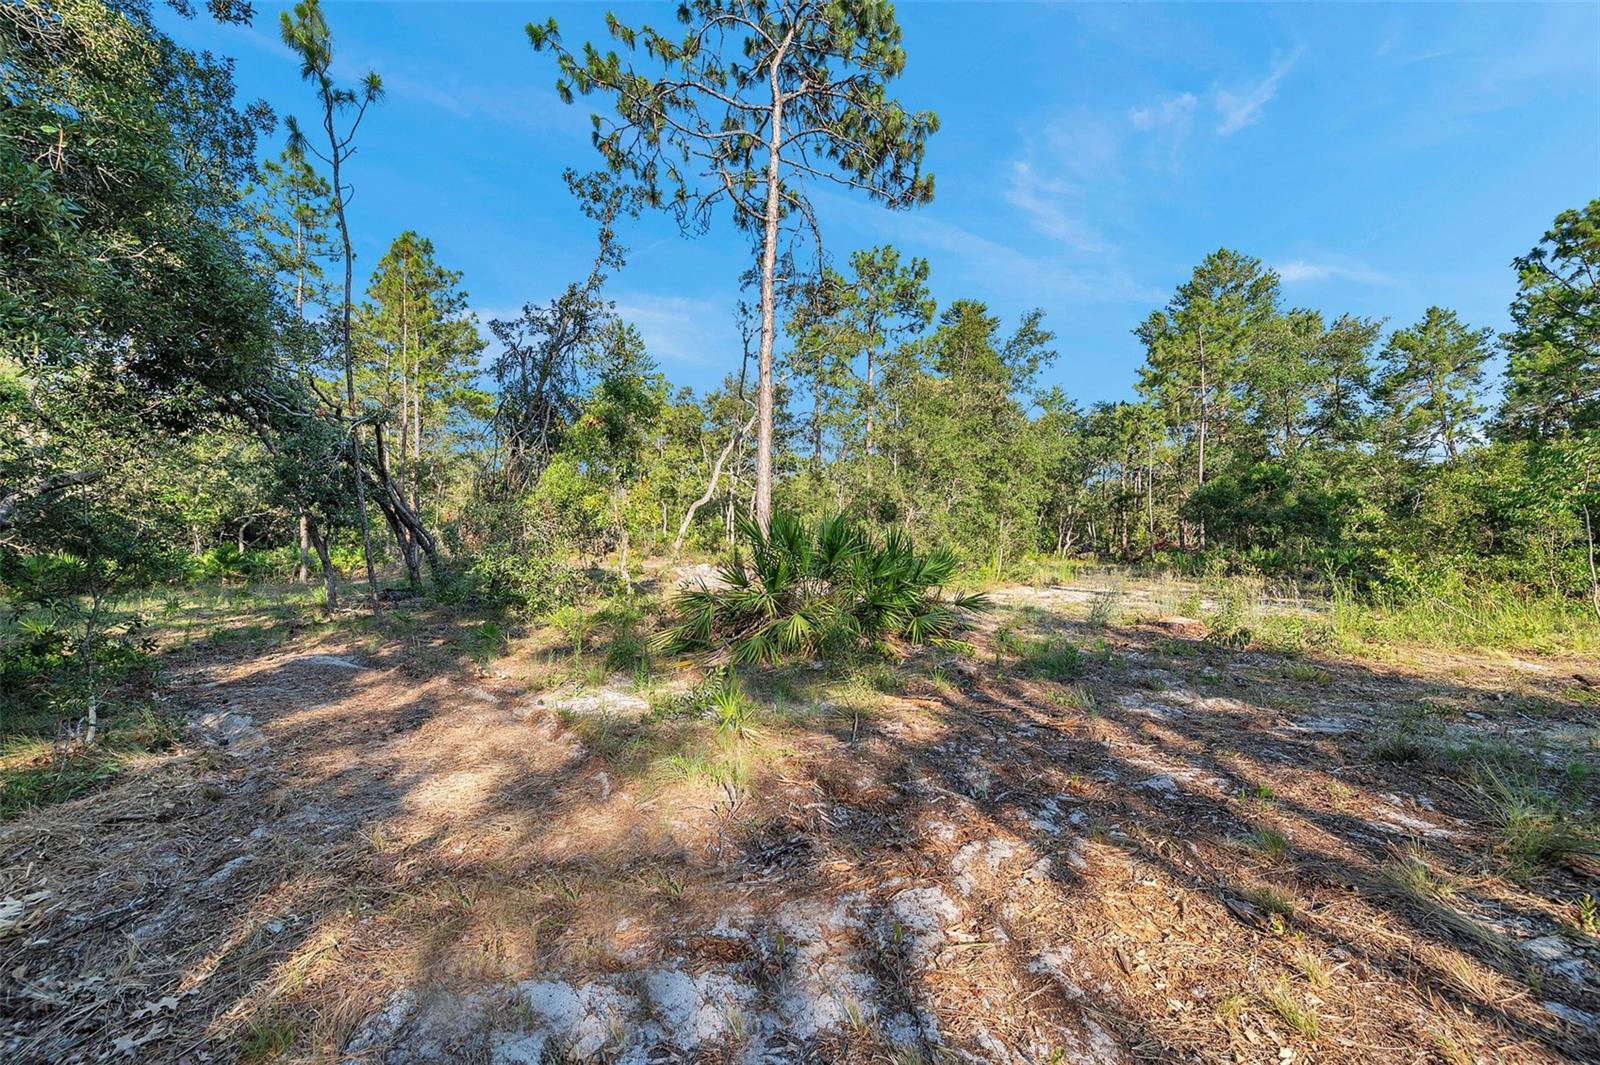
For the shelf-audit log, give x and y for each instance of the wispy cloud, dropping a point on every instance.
(526, 106)
(1049, 205)
(1173, 110)
(1241, 107)
(993, 264)
(682, 329)
(1297, 271)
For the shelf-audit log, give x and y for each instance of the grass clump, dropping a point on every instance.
(1270, 844)
(1270, 899)
(1072, 697)
(820, 590)
(1535, 829)
(1053, 658)
(1411, 874)
(1296, 1014)
(38, 772)
(1411, 738)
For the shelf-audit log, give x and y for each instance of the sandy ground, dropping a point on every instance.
(370, 853)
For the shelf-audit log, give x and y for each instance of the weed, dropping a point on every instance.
(732, 709)
(1451, 1051)
(1296, 1014)
(1412, 875)
(1410, 738)
(1072, 697)
(1052, 658)
(266, 1038)
(1230, 1008)
(1270, 899)
(485, 643)
(941, 682)
(1272, 844)
(1585, 914)
(1305, 673)
(1314, 969)
(1535, 831)
(1106, 608)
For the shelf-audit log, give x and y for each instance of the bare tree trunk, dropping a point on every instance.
(391, 500)
(394, 501)
(302, 573)
(622, 531)
(711, 485)
(1594, 572)
(871, 402)
(1150, 494)
(1201, 471)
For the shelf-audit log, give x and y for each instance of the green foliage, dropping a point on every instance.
(1051, 657)
(820, 590)
(1553, 371)
(1428, 390)
(37, 772)
(1425, 607)
(731, 707)
(513, 555)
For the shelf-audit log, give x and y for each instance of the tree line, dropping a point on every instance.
(195, 379)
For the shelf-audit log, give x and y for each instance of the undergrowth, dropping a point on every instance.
(38, 772)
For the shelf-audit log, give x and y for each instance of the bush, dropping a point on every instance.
(514, 556)
(823, 589)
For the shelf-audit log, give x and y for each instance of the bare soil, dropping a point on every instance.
(373, 851)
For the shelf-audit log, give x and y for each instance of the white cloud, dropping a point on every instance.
(1242, 107)
(1297, 271)
(1170, 111)
(1047, 202)
(999, 266)
(682, 329)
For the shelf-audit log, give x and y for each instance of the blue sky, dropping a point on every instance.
(1382, 158)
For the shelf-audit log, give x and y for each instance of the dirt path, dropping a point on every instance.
(1167, 858)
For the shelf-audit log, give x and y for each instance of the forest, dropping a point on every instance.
(215, 420)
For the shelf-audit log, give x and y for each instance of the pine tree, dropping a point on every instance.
(294, 219)
(307, 33)
(1553, 371)
(758, 99)
(1429, 388)
(1195, 349)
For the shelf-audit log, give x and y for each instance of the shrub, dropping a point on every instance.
(820, 590)
(513, 556)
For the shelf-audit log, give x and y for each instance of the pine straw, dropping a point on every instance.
(457, 847)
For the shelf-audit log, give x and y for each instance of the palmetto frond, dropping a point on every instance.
(804, 590)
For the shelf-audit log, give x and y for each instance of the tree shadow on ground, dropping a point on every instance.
(411, 832)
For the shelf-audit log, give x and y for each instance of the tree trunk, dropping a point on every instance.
(769, 310)
(335, 158)
(1150, 496)
(302, 572)
(391, 500)
(330, 579)
(1594, 570)
(711, 485)
(871, 398)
